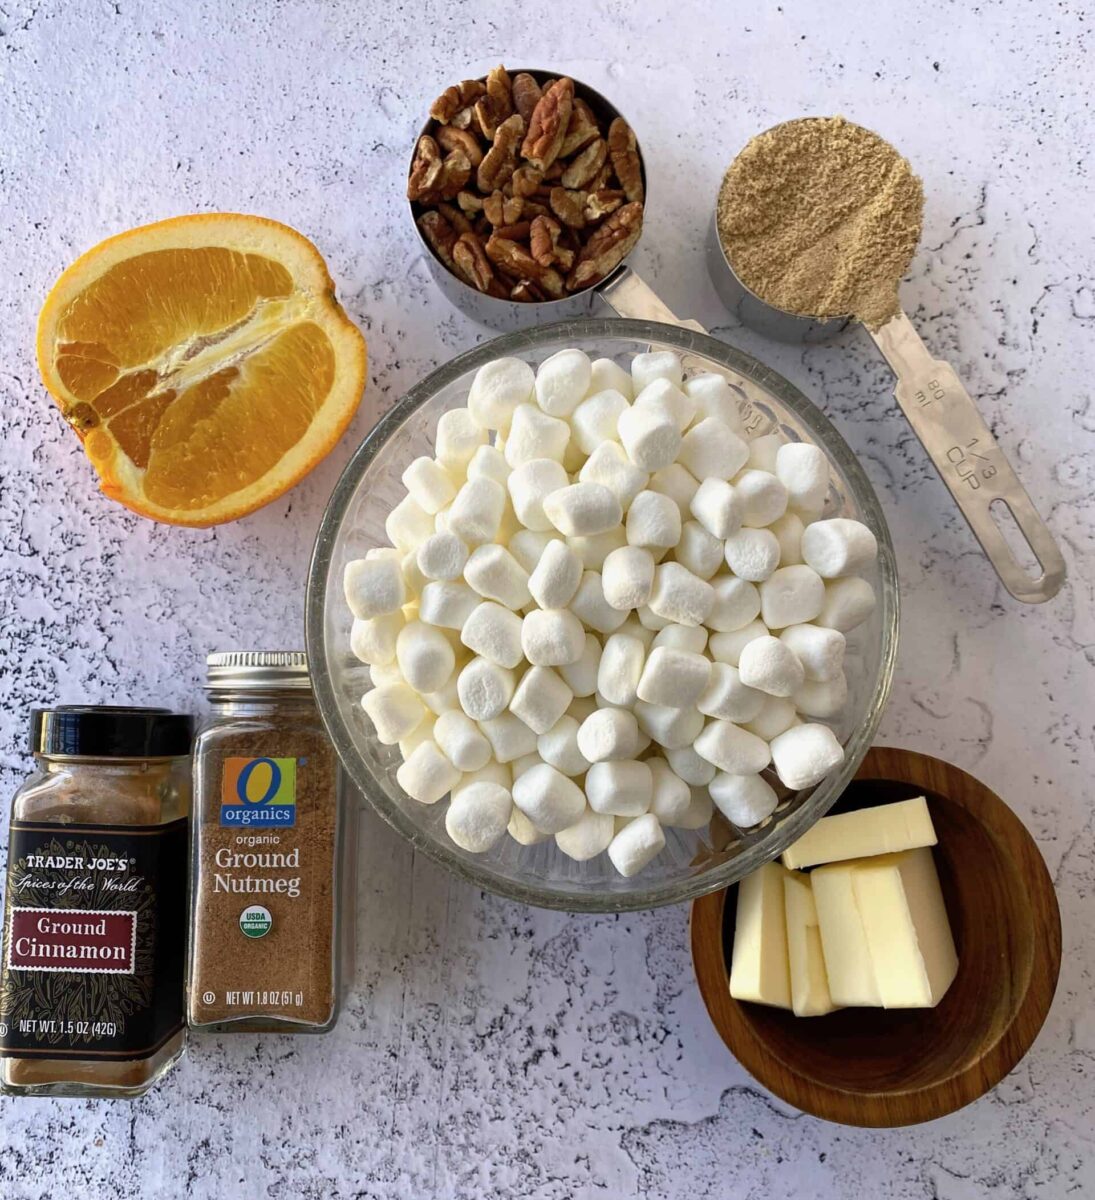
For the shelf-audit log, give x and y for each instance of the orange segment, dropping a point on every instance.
(204, 361)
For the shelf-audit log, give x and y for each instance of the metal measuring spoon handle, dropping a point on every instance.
(973, 466)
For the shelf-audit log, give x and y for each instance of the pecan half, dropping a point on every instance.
(450, 138)
(569, 207)
(526, 292)
(500, 161)
(544, 243)
(515, 260)
(426, 168)
(526, 95)
(493, 108)
(454, 217)
(469, 203)
(548, 126)
(624, 152)
(502, 210)
(584, 168)
(555, 172)
(581, 130)
(525, 181)
(471, 262)
(456, 98)
(440, 236)
(606, 249)
(516, 233)
(602, 202)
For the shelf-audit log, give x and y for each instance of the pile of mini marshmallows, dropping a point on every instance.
(617, 614)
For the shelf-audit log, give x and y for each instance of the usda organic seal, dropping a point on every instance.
(255, 921)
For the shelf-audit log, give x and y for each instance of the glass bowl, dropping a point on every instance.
(693, 863)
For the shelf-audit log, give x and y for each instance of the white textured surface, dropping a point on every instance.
(491, 1050)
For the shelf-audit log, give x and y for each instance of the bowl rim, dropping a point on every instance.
(913, 1105)
(526, 342)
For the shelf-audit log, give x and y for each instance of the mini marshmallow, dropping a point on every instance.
(788, 531)
(712, 450)
(496, 391)
(395, 711)
(838, 547)
(476, 513)
(495, 574)
(592, 609)
(524, 762)
(744, 800)
(562, 381)
(493, 772)
(763, 498)
(653, 520)
(556, 577)
(737, 602)
(770, 666)
(587, 837)
(609, 734)
(622, 788)
(510, 738)
(675, 678)
(727, 698)
(650, 621)
(522, 830)
(609, 465)
(494, 633)
(425, 657)
(752, 554)
(848, 603)
(713, 397)
(488, 462)
(627, 576)
(582, 706)
(412, 576)
(803, 470)
(764, 452)
(657, 364)
(484, 689)
(820, 650)
(581, 675)
(457, 439)
(595, 420)
(727, 647)
(429, 484)
(791, 596)
(823, 699)
(374, 587)
(478, 816)
(776, 716)
(559, 747)
(373, 641)
(632, 627)
(595, 549)
(442, 556)
(650, 436)
(447, 604)
(701, 552)
(682, 637)
(606, 374)
(461, 742)
(529, 486)
(661, 395)
(552, 637)
(732, 748)
(635, 845)
(717, 508)
(583, 509)
(534, 434)
(414, 739)
(541, 699)
(671, 728)
(528, 545)
(671, 796)
(805, 754)
(620, 669)
(678, 484)
(686, 764)
(427, 775)
(381, 673)
(679, 596)
(550, 800)
(700, 811)
(407, 525)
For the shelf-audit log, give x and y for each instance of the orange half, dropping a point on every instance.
(205, 363)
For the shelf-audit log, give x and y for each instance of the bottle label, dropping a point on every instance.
(94, 935)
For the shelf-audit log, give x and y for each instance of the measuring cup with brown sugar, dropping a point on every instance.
(817, 222)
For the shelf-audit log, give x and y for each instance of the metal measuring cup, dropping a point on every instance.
(943, 416)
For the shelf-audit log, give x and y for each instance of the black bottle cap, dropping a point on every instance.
(104, 731)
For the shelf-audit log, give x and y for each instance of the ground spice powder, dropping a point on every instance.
(821, 218)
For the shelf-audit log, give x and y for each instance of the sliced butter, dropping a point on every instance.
(848, 965)
(810, 995)
(759, 969)
(886, 829)
(908, 933)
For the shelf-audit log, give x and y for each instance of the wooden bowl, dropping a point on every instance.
(873, 1067)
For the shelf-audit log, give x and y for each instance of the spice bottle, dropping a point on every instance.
(274, 833)
(91, 982)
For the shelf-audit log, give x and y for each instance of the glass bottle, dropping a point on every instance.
(273, 844)
(96, 879)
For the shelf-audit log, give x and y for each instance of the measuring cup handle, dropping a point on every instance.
(629, 296)
(972, 465)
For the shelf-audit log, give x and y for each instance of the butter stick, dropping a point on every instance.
(759, 967)
(886, 829)
(810, 996)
